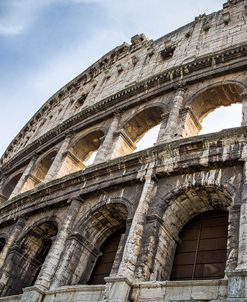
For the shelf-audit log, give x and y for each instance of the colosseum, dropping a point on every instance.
(167, 223)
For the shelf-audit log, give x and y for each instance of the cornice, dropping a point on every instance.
(211, 65)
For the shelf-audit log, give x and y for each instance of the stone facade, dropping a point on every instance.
(56, 211)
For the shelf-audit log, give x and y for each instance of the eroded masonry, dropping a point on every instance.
(168, 223)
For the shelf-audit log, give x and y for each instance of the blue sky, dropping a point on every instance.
(46, 43)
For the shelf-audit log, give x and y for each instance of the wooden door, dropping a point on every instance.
(104, 263)
(201, 254)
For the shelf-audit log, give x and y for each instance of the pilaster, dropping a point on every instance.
(5, 256)
(244, 108)
(237, 278)
(52, 260)
(58, 161)
(171, 130)
(12, 238)
(75, 261)
(119, 286)
(24, 177)
(105, 150)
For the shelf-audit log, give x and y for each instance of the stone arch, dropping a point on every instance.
(29, 226)
(11, 183)
(82, 147)
(43, 164)
(143, 120)
(40, 170)
(28, 255)
(102, 220)
(180, 207)
(88, 235)
(87, 143)
(131, 114)
(209, 99)
(111, 202)
(134, 126)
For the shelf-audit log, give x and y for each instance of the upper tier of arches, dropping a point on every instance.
(139, 66)
(177, 114)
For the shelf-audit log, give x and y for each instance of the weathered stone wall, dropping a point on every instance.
(56, 211)
(127, 65)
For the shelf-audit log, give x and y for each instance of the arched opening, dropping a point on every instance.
(40, 172)
(220, 105)
(82, 153)
(105, 262)
(139, 132)
(9, 187)
(201, 252)
(184, 205)
(27, 258)
(96, 246)
(149, 139)
(2, 243)
(87, 146)
(44, 166)
(222, 118)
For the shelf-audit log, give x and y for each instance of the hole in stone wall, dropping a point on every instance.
(105, 262)
(2, 244)
(9, 187)
(82, 153)
(149, 139)
(222, 118)
(28, 257)
(91, 159)
(45, 165)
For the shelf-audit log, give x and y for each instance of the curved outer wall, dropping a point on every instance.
(57, 211)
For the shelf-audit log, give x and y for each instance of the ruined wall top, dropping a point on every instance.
(129, 64)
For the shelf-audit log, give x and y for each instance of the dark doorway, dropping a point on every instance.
(201, 254)
(104, 263)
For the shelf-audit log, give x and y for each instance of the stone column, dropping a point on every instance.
(146, 262)
(12, 238)
(24, 177)
(172, 126)
(242, 246)
(105, 149)
(237, 277)
(5, 266)
(163, 126)
(232, 241)
(52, 260)
(244, 108)
(58, 160)
(78, 257)
(120, 285)
(2, 183)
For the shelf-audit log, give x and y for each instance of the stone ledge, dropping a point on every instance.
(98, 176)
(76, 288)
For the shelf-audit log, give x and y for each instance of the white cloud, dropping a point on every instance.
(19, 15)
(10, 29)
